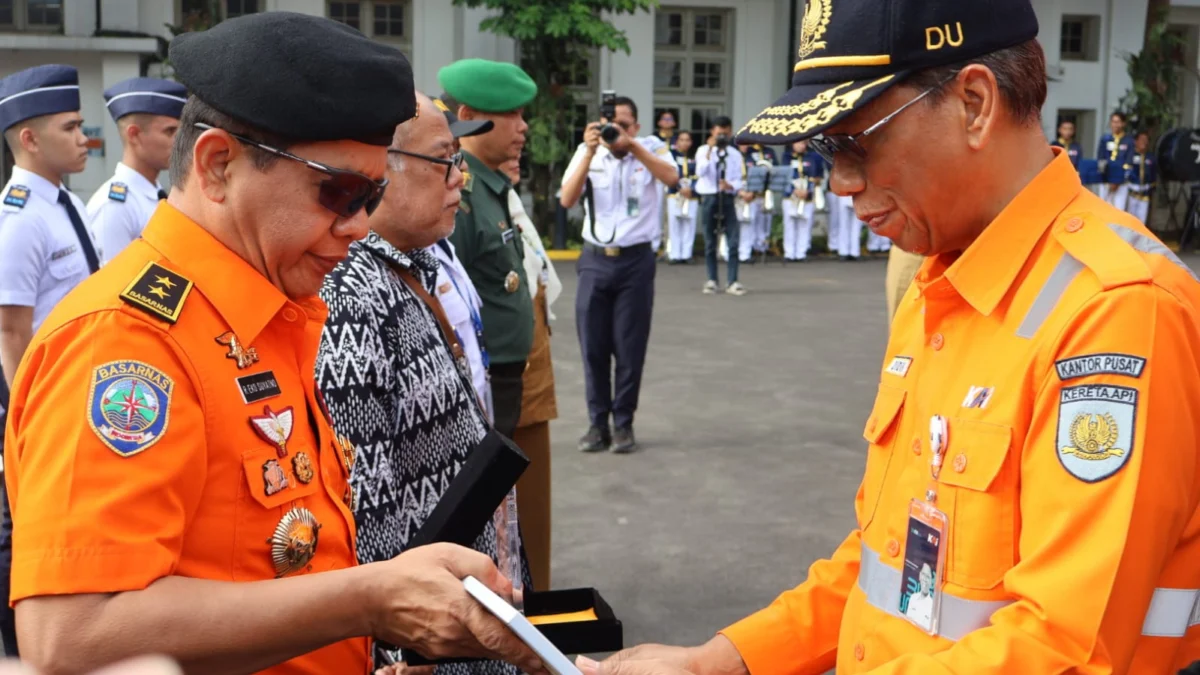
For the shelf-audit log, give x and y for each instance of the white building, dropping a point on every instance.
(699, 58)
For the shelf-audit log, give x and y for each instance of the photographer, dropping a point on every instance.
(719, 175)
(622, 214)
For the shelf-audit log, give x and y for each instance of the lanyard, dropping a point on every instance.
(939, 438)
(476, 321)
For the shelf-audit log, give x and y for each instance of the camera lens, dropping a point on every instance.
(609, 133)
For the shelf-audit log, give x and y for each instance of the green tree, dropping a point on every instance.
(1152, 101)
(554, 39)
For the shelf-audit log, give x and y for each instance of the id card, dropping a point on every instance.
(632, 207)
(924, 564)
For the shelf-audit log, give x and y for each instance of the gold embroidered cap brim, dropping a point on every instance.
(807, 110)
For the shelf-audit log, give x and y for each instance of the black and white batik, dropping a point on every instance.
(393, 388)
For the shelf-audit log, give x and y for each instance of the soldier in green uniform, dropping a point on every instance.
(485, 238)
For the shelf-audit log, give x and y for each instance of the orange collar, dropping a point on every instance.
(241, 294)
(984, 272)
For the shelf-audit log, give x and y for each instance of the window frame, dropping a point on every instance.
(366, 21)
(689, 100)
(258, 9)
(20, 22)
(1087, 27)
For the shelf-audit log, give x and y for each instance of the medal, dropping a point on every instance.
(295, 541)
(243, 357)
(274, 478)
(346, 450)
(512, 282)
(302, 466)
(274, 427)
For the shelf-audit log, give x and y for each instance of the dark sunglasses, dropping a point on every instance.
(345, 192)
(829, 145)
(449, 162)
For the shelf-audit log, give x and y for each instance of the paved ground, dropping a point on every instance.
(751, 422)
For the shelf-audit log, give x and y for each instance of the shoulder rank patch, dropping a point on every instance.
(1095, 430)
(118, 192)
(158, 291)
(468, 181)
(129, 405)
(1100, 364)
(17, 196)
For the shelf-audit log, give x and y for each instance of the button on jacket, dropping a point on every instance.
(1063, 349)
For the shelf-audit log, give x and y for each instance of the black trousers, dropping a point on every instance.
(8, 623)
(613, 306)
(507, 389)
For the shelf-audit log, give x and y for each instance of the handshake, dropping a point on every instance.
(716, 657)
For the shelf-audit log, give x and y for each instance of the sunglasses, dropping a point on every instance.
(830, 144)
(449, 162)
(345, 192)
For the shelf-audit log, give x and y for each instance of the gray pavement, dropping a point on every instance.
(750, 421)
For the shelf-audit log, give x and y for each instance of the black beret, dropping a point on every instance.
(299, 76)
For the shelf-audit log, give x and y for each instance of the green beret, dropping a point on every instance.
(488, 86)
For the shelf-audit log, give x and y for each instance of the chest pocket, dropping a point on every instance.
(979, 496)
(66, 260)
(880, 432)
(270, 486)
(456, 309)
(599, 176)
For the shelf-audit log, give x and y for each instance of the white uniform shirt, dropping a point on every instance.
(626, 195)
(458, 297)
(120, 209)
(707, 164)
(41, 258)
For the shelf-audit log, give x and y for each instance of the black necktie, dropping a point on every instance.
(162, 194)
(85, 240)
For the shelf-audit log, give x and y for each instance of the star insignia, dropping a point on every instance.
(165, 281)
(155, 290)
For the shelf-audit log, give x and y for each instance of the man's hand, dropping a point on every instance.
(144, 665)
(628, 667)
(424, 607)
(746, 195)
(686, 192)
(724, 186)
(623, 141)
(712, 141)
(591, 136)
(718, 656)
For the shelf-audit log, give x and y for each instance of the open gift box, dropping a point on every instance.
(578, 620)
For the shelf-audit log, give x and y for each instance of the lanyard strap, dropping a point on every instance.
(476, 320)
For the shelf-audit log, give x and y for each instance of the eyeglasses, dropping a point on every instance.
(829, 145)
(345, 192)
(449, 162)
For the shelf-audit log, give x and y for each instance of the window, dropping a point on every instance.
(388, 20)
(346, 12)
(41, 16)
(1080, 39)
(693, 54)
(668, 28)
(236, 8)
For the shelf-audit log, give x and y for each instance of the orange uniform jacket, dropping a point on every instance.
(1063, 348)
(131, 454)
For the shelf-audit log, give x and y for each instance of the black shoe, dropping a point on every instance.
(623, 442)
(597, 439)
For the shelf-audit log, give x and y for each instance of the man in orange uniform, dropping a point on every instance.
(176, 484)
(1030, 496)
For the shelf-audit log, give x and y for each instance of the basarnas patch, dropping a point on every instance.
(118, 192)
(17, 196)
(1100, 364)
(129, 405)
(1095, 430)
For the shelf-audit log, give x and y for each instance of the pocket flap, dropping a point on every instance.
(975, 453)
(273, 481)
(888, 403)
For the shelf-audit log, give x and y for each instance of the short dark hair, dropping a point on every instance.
(1119, 115)
(722, 121)
(1020, 73)
(681, 132)
(195, 111)
(626, 101)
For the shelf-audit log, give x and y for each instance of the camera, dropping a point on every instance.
(722, 141)
(608, 110)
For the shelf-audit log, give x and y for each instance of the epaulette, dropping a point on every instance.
(118, 192)
(1109, 251)
(158, 291)
(16, 197)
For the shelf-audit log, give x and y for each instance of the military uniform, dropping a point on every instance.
(486, 239)
(682, 211)
(754, 216)
(121, 206)
(1073, 149)
(1114, 154)
(808, 173)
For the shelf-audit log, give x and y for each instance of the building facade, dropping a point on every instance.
(697, 58)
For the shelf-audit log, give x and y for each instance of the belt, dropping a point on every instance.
(616, 251)
(1171, 613)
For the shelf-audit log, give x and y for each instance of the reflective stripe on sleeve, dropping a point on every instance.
(1172, 611)
(1052, 291)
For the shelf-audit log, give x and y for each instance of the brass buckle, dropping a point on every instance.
(612, 251)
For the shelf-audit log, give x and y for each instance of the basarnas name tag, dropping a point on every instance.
(899, 366)
(632, 207)
(924, 564)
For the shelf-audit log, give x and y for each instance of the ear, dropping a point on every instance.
(28, 139)
(211, 157)
(466, 112)
(132, 132)
(981, 108)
